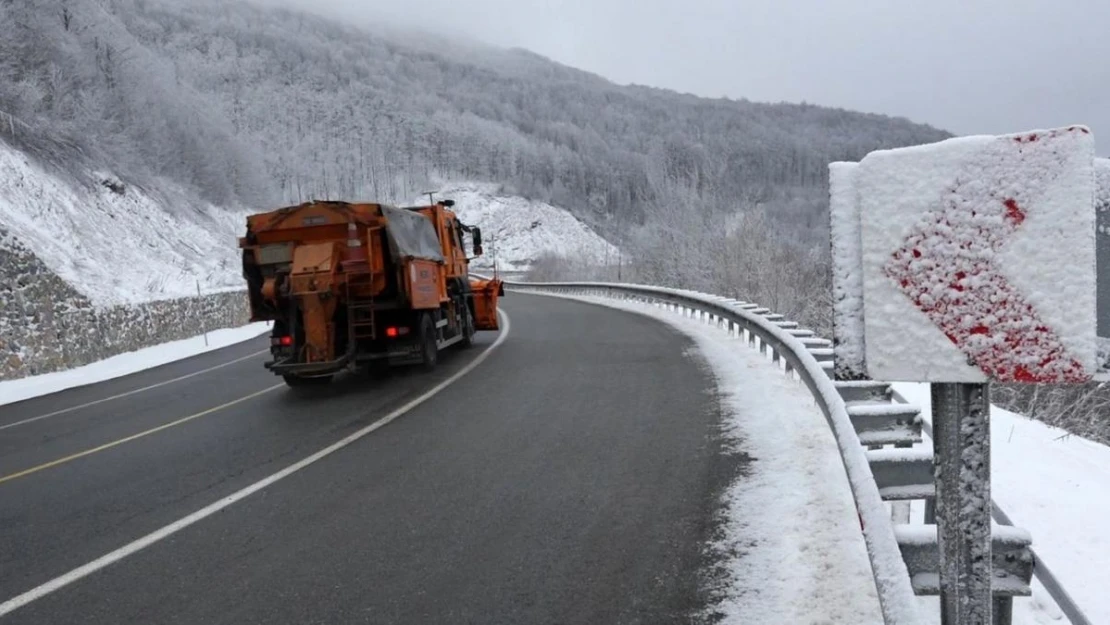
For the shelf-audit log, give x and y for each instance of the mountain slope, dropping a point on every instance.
(240, 105)
(330, 110)
(115, 243)
(517, 232)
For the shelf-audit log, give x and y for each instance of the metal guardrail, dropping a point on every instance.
(791, 347)
(863, 415)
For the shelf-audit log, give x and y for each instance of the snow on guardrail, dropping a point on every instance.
(897, 599)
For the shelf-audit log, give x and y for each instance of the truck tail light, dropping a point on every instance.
(352, 235)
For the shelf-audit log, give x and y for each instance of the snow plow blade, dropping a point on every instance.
(486, 293)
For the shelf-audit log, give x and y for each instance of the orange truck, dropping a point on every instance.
(352, 285)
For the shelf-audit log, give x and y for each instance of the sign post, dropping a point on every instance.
(962, 457)
(962, 263)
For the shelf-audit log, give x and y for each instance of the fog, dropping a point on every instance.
(984, 67)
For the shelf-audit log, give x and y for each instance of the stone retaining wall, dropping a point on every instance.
(46, 325)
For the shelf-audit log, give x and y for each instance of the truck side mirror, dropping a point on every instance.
(476, 234)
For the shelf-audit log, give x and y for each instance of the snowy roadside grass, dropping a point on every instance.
(791, 548)
(1057, 486)
(120, 365)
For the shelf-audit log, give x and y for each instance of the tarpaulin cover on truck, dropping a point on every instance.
(411, 235)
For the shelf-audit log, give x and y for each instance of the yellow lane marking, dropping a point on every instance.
(128, 439)
(132, 392)
(138, 545)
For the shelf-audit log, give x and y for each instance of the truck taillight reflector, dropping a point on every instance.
(394, 332)
(285, 341)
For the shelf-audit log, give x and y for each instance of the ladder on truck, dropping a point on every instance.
(359, 272)
(360, 315)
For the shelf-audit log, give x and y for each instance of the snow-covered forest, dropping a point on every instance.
(256, 106)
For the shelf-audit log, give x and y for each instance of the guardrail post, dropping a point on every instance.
(930, 511)
(1003, 610)
(961, 423)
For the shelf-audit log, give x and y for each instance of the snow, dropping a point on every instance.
(888, 570)
(1102, 238)
(126, 364)
(894, 454)
(793, 545)
(880, 409)
(861, 383)
(1057, 487)
(1102, 186)
(137, 246)
(909, 491)
(1060, 499)
(993, 238)
(847, 271)
(118, 248)
(916, 534)
(516, 231)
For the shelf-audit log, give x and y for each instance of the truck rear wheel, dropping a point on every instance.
(429, 349)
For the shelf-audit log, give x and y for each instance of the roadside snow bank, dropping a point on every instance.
(120, 365)
(792, 545)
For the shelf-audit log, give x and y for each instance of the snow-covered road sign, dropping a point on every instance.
(975, 256)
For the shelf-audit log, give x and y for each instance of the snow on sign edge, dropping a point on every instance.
(1037, 256)
(1102, 257)
(847, 272)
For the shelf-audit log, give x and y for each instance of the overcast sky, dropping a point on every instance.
(983, 66)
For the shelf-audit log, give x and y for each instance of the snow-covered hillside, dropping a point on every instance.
(123, 245)
(126, 245)
(516, 231)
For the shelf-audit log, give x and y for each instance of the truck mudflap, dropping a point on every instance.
(308, 369)
(485, 294)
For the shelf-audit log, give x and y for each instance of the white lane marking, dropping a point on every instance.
(115, 556)
(132, 392)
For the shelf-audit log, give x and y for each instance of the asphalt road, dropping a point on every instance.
(571, 477)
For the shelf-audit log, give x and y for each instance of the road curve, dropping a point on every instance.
(572, 477)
